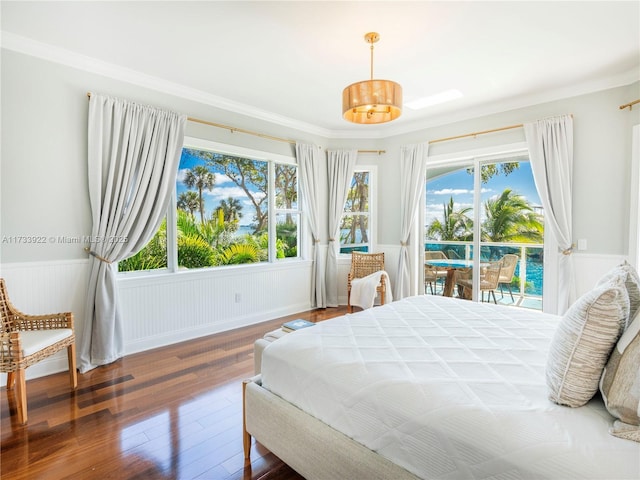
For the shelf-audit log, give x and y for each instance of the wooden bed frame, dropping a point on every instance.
(309, 446)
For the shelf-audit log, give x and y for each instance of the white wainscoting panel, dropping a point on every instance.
(166, 308)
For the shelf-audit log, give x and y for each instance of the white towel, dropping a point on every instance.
(363, 290)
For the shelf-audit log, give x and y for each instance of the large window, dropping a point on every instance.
(232, 206)
(356, 225)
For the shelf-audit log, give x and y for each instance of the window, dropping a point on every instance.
(356, 226)
(233, 206)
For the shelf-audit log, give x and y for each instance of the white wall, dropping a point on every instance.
(44, 193)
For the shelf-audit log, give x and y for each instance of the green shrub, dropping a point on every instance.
(239, 253)
(194, 252)
(152, 256)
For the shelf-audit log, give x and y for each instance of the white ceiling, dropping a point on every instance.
(289, 61)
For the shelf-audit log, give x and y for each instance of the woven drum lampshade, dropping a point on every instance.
(372, 101)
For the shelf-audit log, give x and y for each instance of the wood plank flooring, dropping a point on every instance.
(170, 413)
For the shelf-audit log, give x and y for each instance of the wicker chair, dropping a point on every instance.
(432, 273)
(488, 281)
(509, 262)
(363, 264)
(27, 339)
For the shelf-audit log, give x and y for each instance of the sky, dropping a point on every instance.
(459, 184)
(223, 189)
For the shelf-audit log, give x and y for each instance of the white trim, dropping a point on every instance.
(39, 264)
(250, 153)
(160, 277)
(484, 154)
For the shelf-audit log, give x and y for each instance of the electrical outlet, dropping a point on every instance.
(582, 244)
(238, 298)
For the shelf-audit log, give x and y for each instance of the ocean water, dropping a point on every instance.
(535, 271)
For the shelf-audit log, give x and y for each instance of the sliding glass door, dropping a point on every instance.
(490, 206)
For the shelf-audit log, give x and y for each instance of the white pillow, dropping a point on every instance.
(583, 342)
(620, 384)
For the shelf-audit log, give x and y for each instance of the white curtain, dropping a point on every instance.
(550, 143)
(310, 163)
(413, 171)
(340, 165)
(133, 156)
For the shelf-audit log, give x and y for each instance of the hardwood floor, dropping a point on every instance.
(170, 413)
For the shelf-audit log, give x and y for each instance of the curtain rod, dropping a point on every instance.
(257, 134)
(630, 105)
(510, 127)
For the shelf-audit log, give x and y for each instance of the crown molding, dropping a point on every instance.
(66, 57)
(27, 46)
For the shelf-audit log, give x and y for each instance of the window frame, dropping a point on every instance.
(477, 157)
(373, 208)
(171, 214)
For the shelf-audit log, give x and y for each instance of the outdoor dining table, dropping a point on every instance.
(451, 265)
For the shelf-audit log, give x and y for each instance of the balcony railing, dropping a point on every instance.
(528, 277)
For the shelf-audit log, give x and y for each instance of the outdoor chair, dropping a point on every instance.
(509, 262)
(363, 265)
(27, 339)
(488, 282)
(433, 273)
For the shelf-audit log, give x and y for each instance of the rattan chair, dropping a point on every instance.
(362, 265)
(432, 273)
(488, 281)
(27, 339)
(509, 262)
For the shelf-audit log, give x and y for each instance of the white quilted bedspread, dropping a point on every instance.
(447, 389)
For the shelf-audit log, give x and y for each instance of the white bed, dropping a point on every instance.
(428, 387)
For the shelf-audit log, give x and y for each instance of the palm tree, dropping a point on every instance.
(189, 201)
(511, 218)
(231, 209)
(201, 178)
(456, 225)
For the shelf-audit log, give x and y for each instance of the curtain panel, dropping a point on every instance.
(340, 166)
(413, 174)
(310, 163)
(133, 156)
(550, 143)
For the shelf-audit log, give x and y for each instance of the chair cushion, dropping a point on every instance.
(35, 340)
(583, 342)
(620, 384)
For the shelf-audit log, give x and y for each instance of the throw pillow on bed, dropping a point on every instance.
(631, 279)
(620, 384)
(583, 342)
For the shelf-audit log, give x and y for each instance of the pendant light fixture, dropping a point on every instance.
(372, 101)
